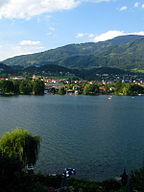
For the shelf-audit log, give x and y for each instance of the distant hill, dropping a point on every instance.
(60, 71)
(4, 69)
(89, 74)
(49, 70)
(124, 52)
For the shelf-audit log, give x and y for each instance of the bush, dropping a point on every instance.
(111, 185)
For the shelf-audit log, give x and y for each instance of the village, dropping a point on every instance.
(104, 84)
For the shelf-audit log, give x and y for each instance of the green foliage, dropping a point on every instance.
(39, 187)
(38, 87)
(51, 181)
(6, 86)
(61, 91)
(123, 89)
(138, 70)
(137, 180)
(136, 89)
(9, 166)
(16, 85)
(3, 75)
(90, 89)
(25, 87)
(123, 52)
(128, 89)
(5, 70)
(110, 185)
(20, 144)
(117, 88)
(85, 186)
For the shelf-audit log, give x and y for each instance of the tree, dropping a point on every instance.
(16, 86)
(90, 89)
(128, 89)
(6, 86)
(136, 89)
(61, 91)
(38, 87)
(25, 87)
(118, 87)
(21, 145)
(9, 166)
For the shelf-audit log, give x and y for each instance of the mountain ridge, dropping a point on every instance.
(124, 52)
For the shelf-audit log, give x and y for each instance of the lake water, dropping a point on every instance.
(97, 136)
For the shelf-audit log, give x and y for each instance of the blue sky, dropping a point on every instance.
(29, 26)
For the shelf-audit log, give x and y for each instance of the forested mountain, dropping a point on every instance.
(125, 52)
(6, 69)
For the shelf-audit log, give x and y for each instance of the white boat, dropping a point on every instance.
(110, 97)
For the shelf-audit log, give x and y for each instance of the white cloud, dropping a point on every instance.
(51, 28)
(137, 33)
(29, 42)
(91, 35)
(20, 48)
(80, 35)
(142, 5)
(136, 4)
(51, 31)
(112, 34)
(108, 35)
(25, 9)
(50, 34)
(123, 8)
(87, 35)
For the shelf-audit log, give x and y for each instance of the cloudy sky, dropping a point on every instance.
(29, 26)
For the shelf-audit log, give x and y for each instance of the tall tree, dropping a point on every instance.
(20, 144)
(6, 86)
(38, 87)
(16, 86)
(26, 87)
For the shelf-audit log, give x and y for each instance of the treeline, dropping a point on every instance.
(128, 89)
(21, 87)
(118, 88)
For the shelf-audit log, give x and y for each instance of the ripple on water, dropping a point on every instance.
(96, 136)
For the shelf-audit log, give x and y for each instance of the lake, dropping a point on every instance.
(97, 136)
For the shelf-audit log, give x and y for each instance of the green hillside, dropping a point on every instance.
(125, 52)
(4, 69)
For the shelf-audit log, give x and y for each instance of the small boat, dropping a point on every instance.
(110, 97)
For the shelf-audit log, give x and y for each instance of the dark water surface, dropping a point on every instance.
(97, 136)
